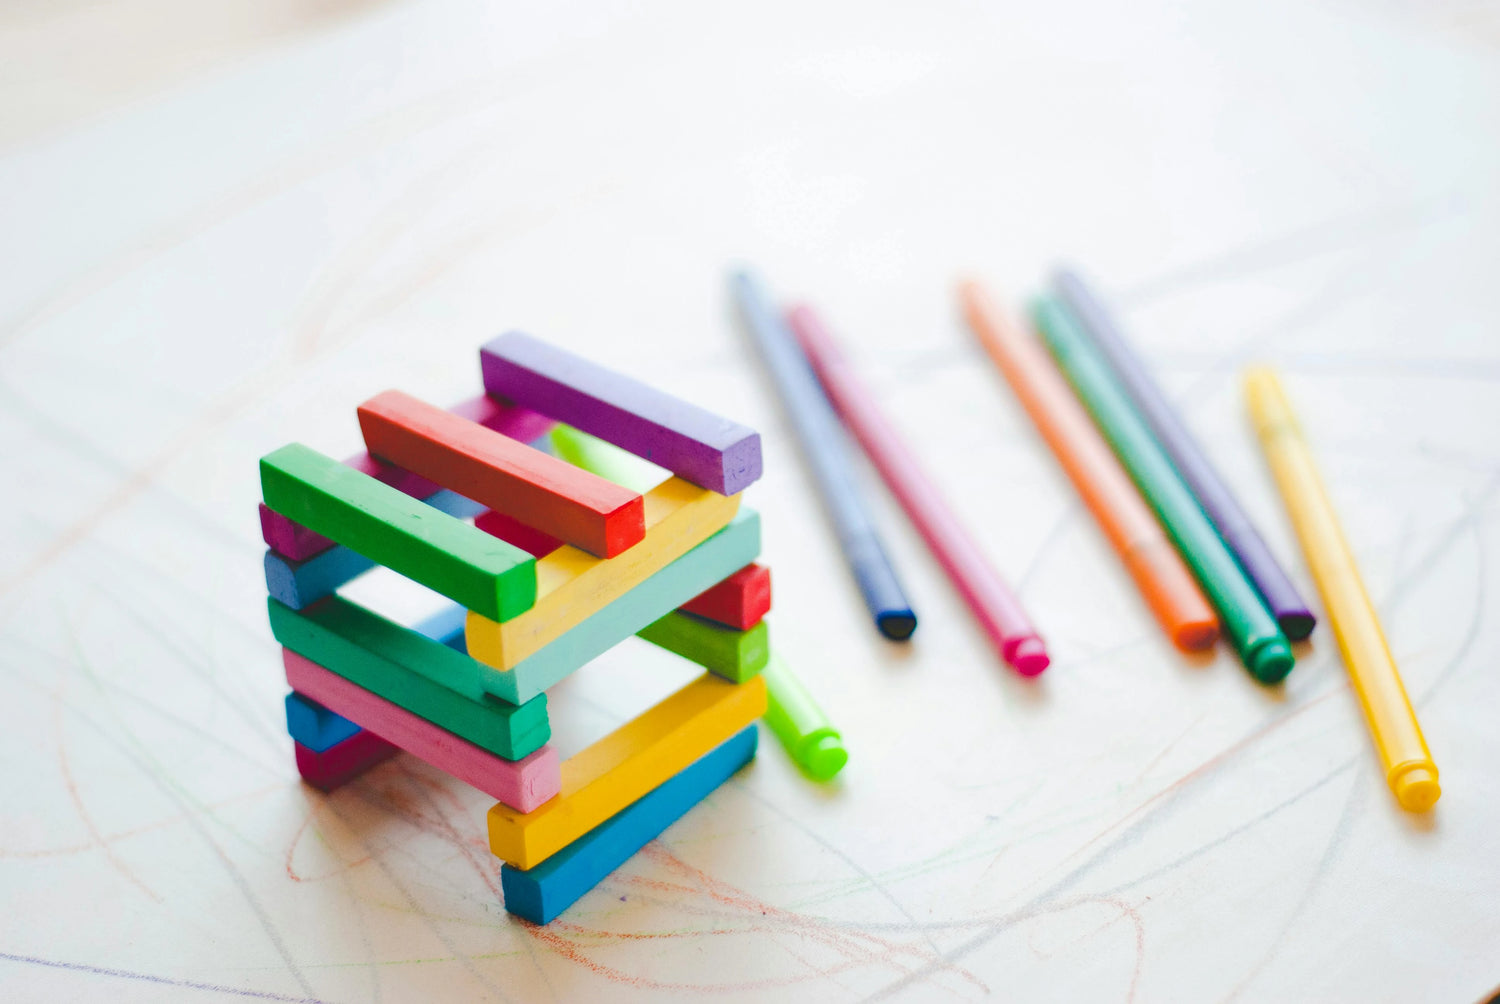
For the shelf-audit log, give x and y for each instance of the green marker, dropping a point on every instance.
(800, 724)
(1254, 633)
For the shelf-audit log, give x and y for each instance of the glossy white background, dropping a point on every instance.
(224, 225)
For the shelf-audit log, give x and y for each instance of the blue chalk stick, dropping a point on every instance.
(543, 892)
(299, 584)
(827, 453)
(313, 725)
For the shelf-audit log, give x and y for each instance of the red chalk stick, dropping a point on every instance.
(521, 784)
(342, 762)
(511, 530)
(292, 540)
(545, 493)
(740, 601)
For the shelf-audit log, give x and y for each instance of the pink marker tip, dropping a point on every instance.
(1030, 657)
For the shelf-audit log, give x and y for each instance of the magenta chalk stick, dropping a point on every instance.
(343, 761)
(521, 784)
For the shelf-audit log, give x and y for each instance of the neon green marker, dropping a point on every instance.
(802, 727)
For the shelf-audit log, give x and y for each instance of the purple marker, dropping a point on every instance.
(1292, 615)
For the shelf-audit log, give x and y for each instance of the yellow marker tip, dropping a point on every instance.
(1417, 788)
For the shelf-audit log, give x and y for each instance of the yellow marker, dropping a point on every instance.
(624, 766)
(572, 585)
(1409, 769)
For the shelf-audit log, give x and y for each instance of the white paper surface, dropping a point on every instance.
(233, 255)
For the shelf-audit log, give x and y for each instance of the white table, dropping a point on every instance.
(224, 225)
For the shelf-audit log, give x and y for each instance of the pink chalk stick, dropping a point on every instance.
(521, 784)
(344, 761)
(295, 541)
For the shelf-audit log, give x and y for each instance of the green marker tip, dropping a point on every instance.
(1271, 660)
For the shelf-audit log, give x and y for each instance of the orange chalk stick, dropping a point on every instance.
(740, 601)
(1143, 545)
(545, 493)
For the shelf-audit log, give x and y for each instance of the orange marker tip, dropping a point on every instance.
(1196, 635)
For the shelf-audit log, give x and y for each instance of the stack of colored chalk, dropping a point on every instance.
(559, 566)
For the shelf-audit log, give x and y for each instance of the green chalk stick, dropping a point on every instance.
(405, 668)
(606, 460)
(803, 728)
(406, 535)
(723, 651)
(1248, 624)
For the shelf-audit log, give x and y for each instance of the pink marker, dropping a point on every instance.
(991, 600)
(521, 784)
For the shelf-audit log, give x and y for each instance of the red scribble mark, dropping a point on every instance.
(134, 831)
(406, 797)
(475, 851)
(748, 915)
(1126, 912)
(96, 839)
(291, 852)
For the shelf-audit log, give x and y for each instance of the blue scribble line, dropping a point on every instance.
(124, 974)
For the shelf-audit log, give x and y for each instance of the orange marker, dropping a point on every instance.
(1106, 489)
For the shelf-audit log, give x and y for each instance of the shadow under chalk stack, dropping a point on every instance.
(559, 566)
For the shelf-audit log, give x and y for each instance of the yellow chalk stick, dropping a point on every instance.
(626, 765)
(1409, 769)
(572, 585)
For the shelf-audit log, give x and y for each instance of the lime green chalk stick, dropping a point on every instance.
(723, 651)
(802, 727)
(606, 460)
(1247, 622)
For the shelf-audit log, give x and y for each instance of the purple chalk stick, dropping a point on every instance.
(292, 540)
(1218, 503)
(694, 444)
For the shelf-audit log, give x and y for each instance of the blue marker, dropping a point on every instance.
(827, 455)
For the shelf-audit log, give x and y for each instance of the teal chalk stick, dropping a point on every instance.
(417, 653)
(424, 676)
(718, 557)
